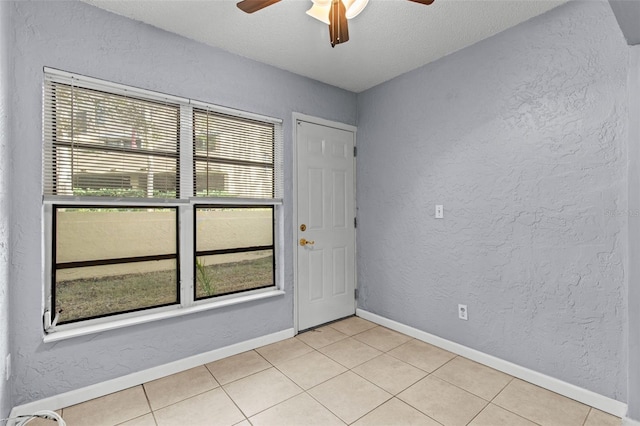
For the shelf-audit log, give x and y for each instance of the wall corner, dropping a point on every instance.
(633, 283)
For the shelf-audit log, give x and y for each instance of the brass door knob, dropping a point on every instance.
(304, 242)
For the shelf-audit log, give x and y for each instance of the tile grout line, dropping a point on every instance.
(466, 390)
(181, 400)
(506, 409)
(503, 388)
(416, 408)
(344, 372)
(317, 384)
(478, 413)
(317, 350)
(148, 404)
(320, 402)
(520, 415)
(489, 402)
(144, 390)
(373, 409)
(234, 402)
(272, 365)
(396, 394)
(291, 338)
(153, 414)
(272, 406)
(350, 370)
(587, 417)
(392, 395)
(428, 374)
(244, 377)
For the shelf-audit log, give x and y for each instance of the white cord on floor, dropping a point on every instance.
(44, 414)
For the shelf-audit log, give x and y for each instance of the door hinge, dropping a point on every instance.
(355, 222)
(355, 293)
(355, 151)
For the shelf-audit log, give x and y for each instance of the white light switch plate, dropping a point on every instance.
(439, 211)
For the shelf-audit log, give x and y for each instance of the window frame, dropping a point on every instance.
(185, 211)
(54, 269)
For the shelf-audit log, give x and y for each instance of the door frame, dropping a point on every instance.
(336, 125)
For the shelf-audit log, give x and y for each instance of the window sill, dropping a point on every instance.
(142, 319)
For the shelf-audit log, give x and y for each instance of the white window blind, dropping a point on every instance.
(236, 156)
(108, 144)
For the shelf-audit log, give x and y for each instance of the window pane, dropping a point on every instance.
(220, 228)
(227, 180)
(233, 156)
(94, 233)
(96, 291)
(232, 138)
(231, 273)
(103, 144)
(113, 260)
(234, 249)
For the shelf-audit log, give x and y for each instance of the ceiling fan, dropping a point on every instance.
(334, 13)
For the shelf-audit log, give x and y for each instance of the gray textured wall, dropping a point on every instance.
(523, 139)
(83, 39)
(5, 398)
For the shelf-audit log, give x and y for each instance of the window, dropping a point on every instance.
(234, 249)
(232, 156)
(130, 228)
(113, 260)
(103, 144)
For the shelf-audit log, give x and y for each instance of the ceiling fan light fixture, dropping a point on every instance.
(334, 13)
(320, 11)
(354, 7)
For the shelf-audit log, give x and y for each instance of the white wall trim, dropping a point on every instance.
(585, 396)
(628, 422)
(323, 122)
(134, 379)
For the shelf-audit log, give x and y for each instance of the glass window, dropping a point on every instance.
(113, 260)
(104, 144)
(114, 186)
(233, 156)
(234, 249)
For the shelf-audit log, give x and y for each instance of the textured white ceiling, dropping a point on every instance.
(389, 38)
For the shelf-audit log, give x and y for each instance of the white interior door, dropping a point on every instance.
(326, 213)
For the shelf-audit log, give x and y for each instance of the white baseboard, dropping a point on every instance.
(585, 396)
(134, 379)
(628, 422)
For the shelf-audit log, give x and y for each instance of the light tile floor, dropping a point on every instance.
(348, 372)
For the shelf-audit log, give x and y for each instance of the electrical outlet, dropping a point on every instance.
(7, 372)
(463, 314)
